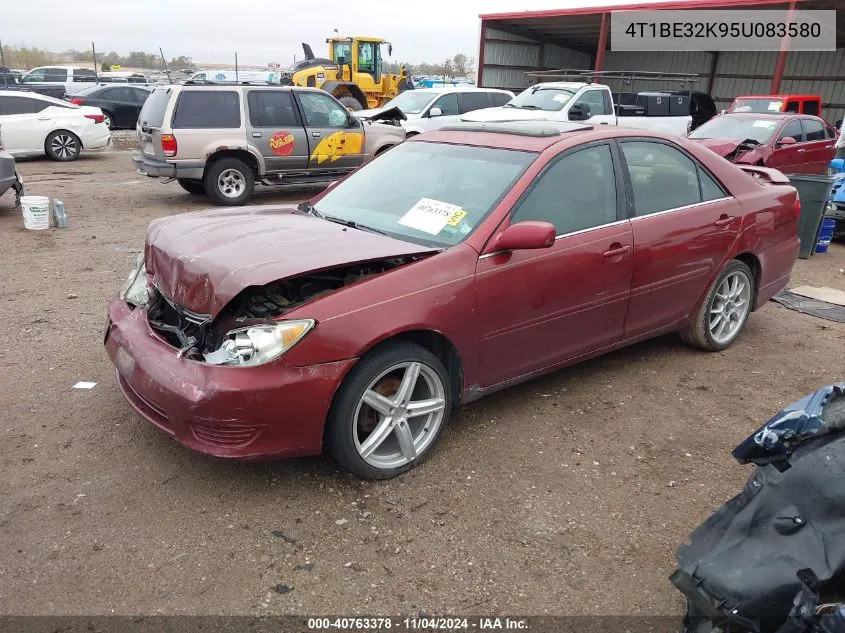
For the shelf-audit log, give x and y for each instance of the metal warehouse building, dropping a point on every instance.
(515, 43)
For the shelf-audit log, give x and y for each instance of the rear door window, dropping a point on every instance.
(83, 74)
(272, 108)
(814, 130)
(20, 105)
(662, 177)
(791, 106)
(499, 98)
(470, 101)
(56, 74)
(811, 107)
(211, 109)
(152, 114)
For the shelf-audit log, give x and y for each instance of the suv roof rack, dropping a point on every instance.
(538, 129)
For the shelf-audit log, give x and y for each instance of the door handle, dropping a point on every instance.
(316, 134)
(617, 250)
(256, 135)
(725, 220)
(43, 118)
(801, 151)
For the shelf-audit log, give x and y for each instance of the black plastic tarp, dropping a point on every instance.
(739, 569)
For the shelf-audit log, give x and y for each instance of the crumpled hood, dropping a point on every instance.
(503, 114)
(722, 146)
(381, 114)
(202, 260)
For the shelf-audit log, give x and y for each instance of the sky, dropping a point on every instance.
(261, 31)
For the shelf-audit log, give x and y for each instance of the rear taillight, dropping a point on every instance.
(168, 144)
(76, 101)
(96, 118)
(796, 208)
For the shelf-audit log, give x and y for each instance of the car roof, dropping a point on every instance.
(459, 88)
(571, 85)
(766, 116)
(782, 96)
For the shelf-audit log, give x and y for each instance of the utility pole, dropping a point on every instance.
(164, 61)
(94, 53)
(2, 59)
(236, 67)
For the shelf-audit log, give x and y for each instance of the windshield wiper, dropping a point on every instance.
(352, 224)
(307, 207)
(509, 105)
(529, 107)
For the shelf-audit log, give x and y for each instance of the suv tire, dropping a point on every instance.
(229, 181)
(193, 187)
(351, 103)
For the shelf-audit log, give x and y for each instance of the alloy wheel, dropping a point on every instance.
(231, 183)
(730, 307)
(399, 415)
(64, 146)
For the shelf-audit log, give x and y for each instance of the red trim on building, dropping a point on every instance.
(780, 65)
(602, 47)
(640, 6)
(479, 81)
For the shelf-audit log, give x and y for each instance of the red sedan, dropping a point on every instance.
(457, 264)
(792, 144)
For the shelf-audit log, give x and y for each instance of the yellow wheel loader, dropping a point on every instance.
(352, 72)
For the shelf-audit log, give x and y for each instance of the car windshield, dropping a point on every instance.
(758, 105)
(542, 98)
(433, 194)
(739, 128)
(411, 101)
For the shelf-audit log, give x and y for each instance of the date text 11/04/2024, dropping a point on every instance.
(418, 624)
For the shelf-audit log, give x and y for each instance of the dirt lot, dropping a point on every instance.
(566, 495)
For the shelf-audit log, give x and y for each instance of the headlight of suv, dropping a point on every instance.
(135, 290)
(259, 344)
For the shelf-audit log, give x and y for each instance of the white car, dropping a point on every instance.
(73, 78)
(34, 124)
(428, 109)
(578, 101)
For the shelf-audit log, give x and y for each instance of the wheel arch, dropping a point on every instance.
(241, 154)
(753, 262)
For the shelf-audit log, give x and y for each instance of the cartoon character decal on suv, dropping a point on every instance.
(337, 145)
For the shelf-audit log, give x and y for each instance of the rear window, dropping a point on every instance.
(214, 109)
(152, 114)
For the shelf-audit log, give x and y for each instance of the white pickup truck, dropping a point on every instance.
(576, 101)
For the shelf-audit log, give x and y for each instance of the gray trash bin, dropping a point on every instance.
(814, 192)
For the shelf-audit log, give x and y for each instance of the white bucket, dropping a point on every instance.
(36, 212)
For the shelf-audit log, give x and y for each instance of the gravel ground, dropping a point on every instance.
(565, 495)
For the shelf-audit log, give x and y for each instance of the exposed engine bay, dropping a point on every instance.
(742, 148)
(196, 336)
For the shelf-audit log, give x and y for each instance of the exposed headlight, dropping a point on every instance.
(135, 290)
(259, 344)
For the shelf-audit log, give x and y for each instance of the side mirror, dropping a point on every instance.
(579, 112)
(786, 140)
(524, 236)
(353, 122)
(435, 112)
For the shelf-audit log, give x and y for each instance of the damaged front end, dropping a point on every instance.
(740, 569)
(249, 331)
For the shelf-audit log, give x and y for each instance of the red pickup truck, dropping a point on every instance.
(772, 104)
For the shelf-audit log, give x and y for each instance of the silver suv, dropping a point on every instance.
(220, 140)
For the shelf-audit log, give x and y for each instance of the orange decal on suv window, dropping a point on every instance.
(282, 143)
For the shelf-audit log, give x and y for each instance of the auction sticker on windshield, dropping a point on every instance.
(765, 124)
(432, 216)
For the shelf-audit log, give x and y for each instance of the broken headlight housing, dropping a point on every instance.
(259, 344)
(135, 290)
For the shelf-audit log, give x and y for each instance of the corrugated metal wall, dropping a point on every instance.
(507, 57)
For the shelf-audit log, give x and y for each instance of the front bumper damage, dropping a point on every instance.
(739, 571)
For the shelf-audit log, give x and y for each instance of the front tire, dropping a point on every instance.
(351, 103)
(62, 145)
(229, 181)
(389, 411)
(725, 309)
(193, 187)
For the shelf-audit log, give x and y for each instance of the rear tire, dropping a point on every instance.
(108, 119)
(62, 146)
(351, 103)
(379, 444)
(229, 181)
(724, 311)
(193, 187)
